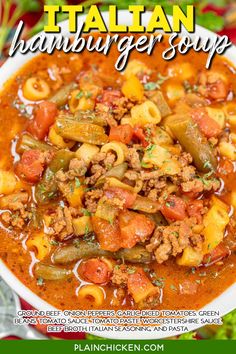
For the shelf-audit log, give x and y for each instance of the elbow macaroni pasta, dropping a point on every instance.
(35, 89)
(145, 113)
(92, 292)
(39, 244)
(119, 149)
(86, 152)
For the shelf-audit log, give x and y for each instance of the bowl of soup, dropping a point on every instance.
(117, 189)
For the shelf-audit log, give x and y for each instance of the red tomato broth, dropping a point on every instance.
(212, 281)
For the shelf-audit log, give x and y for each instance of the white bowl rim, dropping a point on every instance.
(224, 303)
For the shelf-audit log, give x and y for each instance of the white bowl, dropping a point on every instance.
(224, 303)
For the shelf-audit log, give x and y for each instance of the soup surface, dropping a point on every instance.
(118, 190)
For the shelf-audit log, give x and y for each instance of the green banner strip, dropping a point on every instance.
(117, 346)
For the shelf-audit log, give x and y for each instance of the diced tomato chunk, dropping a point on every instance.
(109, 96)
(108, 234)
(134, 227)
(140, 135)
(31, 165)
(43, 119)
(128, 197)
(95, 271)
(194, 209)
(208, 126)
(121, 133)
(174, 208)
(218, 253)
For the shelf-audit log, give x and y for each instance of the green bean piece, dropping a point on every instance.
(50, 272)
(82, 250)
(90, 117)
(136, 254)
(61, 160)
(83, 133)
(27, 142)
(84, 117)
(192, 140)
(74, 252)
(46, 189)
(61, 96)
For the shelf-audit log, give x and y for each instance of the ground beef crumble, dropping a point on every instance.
(77, 168)
(91, 199)
(17, 213)
(133, 159)
(173, 239)
(104, 112)
(156, 184)
(60, 222)
(100, 164)
(122, 106)
(17, 219)
(120, 275)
